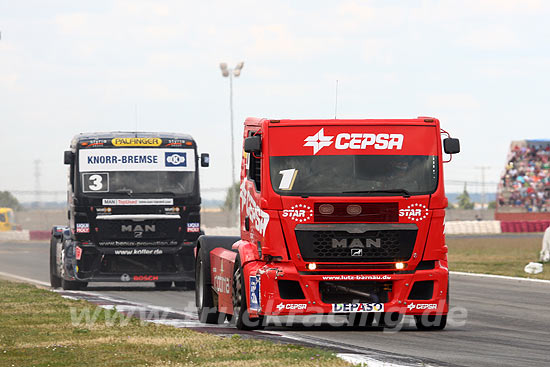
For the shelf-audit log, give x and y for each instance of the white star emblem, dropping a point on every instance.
(280, 306)
(410, 306)
(318, 141)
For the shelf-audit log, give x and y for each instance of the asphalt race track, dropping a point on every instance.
(507, 323)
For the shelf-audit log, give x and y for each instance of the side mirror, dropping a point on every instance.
(68, 158)
(205, 160)
(253, 144)
(451, 146)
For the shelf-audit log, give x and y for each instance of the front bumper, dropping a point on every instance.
(400, 294)
(90, 263)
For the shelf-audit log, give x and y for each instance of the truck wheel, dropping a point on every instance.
(206, 310)
(55, 280)
(241, 317)
(391, 320)
(163, 285)
(72, 285)
(430, 322)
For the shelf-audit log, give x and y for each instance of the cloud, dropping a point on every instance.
(452, 101)
(491, 38)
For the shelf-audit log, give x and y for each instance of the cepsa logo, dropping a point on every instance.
(354, 141)
(422, 306)
(291, 306)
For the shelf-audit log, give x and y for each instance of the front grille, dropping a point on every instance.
(354, 292)
(356, 242)
(118, 230)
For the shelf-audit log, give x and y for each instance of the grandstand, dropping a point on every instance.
(524, 188)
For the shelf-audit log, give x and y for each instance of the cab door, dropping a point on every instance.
(253, 220)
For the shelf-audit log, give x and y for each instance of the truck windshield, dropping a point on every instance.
(138, 182)
(137, 171)
(345, 175)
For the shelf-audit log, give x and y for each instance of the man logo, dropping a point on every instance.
(356, 243)
(356, 252)
(138, 229)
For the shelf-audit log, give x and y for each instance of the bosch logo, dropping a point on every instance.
(145, 278)
(125, 278)
(354, 141)
(176, 159)
(415, 212)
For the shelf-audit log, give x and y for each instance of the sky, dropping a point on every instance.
(482, 67)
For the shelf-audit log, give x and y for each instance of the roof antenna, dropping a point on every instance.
(136, 119)
(336, 101)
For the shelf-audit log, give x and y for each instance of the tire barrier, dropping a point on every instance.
(473, 227)
(524, 226)
(39, 235)
(15, 236)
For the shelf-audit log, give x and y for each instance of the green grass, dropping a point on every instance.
(501, 256)
(36, 330)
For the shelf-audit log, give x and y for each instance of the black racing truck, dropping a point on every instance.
(133, 210)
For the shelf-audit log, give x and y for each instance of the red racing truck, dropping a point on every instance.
(336, 217)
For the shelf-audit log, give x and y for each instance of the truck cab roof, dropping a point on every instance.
(274, 122)
(108, 135)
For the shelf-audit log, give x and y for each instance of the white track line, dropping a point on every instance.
(28, 280)
(500, 277)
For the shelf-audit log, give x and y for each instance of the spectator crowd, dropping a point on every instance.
(525, 182)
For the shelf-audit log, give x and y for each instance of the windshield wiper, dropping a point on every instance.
(157, 192)
(126, 191)
(405, 193)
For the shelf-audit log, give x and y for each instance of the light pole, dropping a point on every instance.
(230, 72)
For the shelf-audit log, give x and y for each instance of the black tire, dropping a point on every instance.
(187, 285)
(241, 317)
(55, 280)
(72, 285)
(204, 300)
(391, 320)
(163, 285)
(430, 322)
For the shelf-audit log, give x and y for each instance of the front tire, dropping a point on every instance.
(430, 322)
(241, 317)
(72, 285)
(55, 280)
(206, 310)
